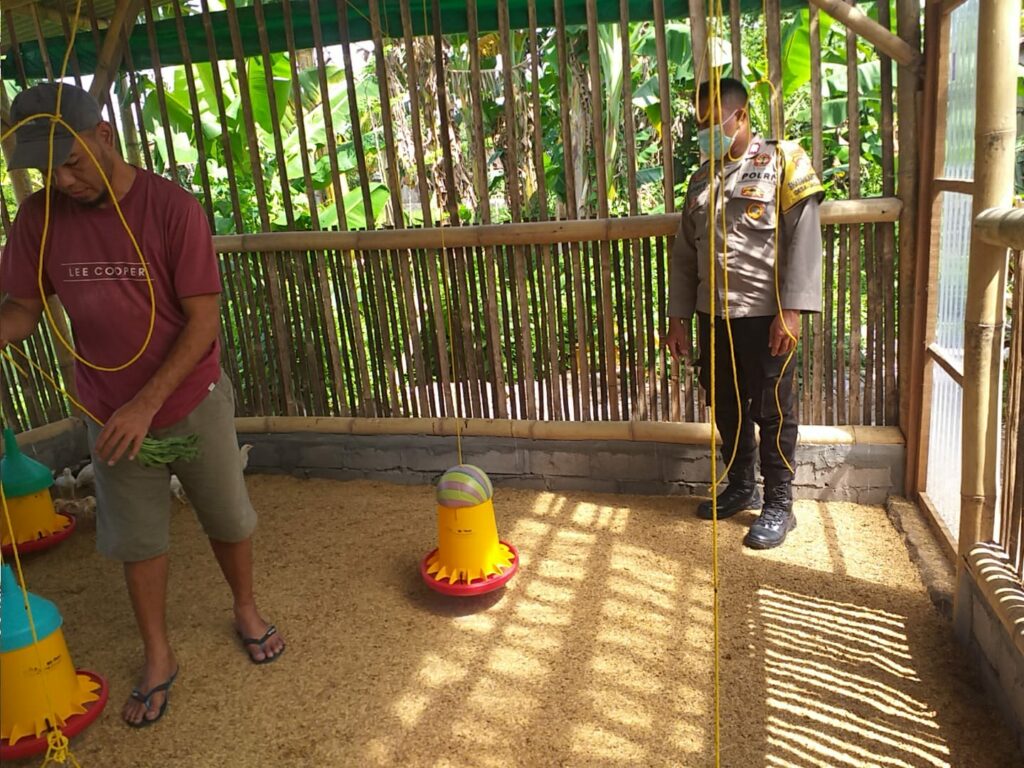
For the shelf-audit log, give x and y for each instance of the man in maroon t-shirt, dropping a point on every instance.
(170, 385)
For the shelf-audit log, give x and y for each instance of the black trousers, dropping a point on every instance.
(757, 373)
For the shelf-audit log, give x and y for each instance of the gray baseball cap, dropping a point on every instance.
(77, 108)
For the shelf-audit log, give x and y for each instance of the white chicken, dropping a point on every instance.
(177, 491)
(244, 455)
(86, 477)
(66, 484)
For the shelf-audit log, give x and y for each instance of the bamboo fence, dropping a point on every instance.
(555, 314)
(1011, 534)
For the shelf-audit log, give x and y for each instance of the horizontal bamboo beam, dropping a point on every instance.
(857, 21)
(638, 431)
(1002, 226)
(688, 433)
(960, 186)
(870, 210)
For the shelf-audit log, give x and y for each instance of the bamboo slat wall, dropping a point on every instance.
(428, 131)
(1011, 535)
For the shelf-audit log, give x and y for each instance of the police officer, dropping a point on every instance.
(773, 269)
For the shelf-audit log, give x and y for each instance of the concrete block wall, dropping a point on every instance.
(853, 471)
(860, 464)
(993, 651)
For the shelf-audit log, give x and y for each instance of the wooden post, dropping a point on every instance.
(908, 85)
(994, 135)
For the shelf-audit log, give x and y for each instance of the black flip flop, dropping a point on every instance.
(144, 699)
(247, 641)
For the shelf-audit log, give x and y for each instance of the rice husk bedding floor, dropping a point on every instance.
(598, 653)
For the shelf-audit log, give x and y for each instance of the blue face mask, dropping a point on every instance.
(714, 142)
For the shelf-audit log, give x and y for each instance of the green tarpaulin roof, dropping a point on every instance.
(452, 12)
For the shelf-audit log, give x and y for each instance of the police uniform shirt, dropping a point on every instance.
(746, 244)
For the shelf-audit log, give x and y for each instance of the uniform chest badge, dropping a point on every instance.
(762, 160)
(755, 210)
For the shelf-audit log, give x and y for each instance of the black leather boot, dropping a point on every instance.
(776, 520)
(740, 494)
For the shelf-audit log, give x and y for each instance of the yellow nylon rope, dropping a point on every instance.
(715, 107)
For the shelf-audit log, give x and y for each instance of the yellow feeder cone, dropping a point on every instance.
(469, 559)
(39, 687)
(468, 547)
(27, 487)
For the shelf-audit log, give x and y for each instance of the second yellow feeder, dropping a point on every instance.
(26, 486)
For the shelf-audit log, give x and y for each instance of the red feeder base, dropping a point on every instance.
(475, 587)
(38, 545)
(74, 725)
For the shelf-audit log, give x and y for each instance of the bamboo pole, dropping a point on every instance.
(277, 305)
(413, 77)
(552, 314)
(136, 105)
(666, 106)
(995, 133)
(736, 37)
(888, 404)
(579, 371)
(15, 49)
(484, 205)
(609, 373)
(636, 321)
(394, 184)
(698, 41)
(114, 43)
(675, 433)
(523, 343)
(161, 98)
(863, 211)
(319, 262)
(817, 158)
(857, 21)
(907, 87)
(351, 266)
(919, 301)
(1013, 452)
(66, 28)
(842, 386)
(41, 41)
(853, 231)
(563, 103)
(443, 117)
(773, 31)
(197, 125)
(275, 111)
(828, 408)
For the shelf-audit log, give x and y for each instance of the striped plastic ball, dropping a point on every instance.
(464, 485)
